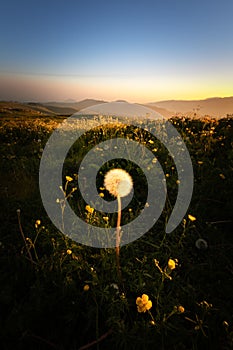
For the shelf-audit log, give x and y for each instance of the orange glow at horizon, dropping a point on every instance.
(141, 90)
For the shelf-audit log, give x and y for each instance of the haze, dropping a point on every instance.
(138, 51)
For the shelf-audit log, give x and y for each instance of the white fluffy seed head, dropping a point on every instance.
(118, 182)
(201, 244)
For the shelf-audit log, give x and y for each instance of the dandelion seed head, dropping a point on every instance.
(201, 244)
(118, 182)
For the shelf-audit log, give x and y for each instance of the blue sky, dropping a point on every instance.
(136, 50)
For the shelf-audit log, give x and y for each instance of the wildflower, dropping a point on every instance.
(143, 303)
(151, 142)
(152, 323)
(37, 223)
(171, 264)
(222, 176)
(69, 251)
(118, 182)
(177, 182)
(105, 218)
(68, 178)
(86, 287)
(201, 244)
(89, 209)
(101, 194)
(191, 217)
(180, 309)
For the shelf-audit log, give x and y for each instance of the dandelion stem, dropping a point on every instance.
(118, 237)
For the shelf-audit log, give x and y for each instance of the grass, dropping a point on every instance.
(58, 294)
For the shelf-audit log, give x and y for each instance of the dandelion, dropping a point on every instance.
(171, 264)
(86, 288)
(89, 209)
(118, 182)
(143, 303)
(69, 251)
(101, 194)
(201, 244)
(191, 217)
(68, 178)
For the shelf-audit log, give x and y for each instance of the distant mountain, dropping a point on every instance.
(71, 107)
(213, 107)
(216, 106)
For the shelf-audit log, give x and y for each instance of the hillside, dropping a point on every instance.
(216, 107)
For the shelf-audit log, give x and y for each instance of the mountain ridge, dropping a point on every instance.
(213, 107)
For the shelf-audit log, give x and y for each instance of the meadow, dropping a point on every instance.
(176, 289)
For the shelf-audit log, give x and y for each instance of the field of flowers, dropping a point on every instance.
(166, 291)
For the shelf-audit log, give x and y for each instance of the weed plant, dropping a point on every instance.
(177, 288)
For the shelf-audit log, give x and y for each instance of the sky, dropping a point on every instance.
(139, 51)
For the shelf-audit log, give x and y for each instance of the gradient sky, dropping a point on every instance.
(140, 51)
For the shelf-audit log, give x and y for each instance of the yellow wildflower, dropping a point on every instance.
(37, 223)
(191, 217)
(68, 178)
(180, 309)
(89, 209)
(86, 287)
(151, 142)
(101, 194)
(69, 251)
(105, 218)
(143, 303)
(171, 264)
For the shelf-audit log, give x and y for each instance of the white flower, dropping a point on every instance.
(118, 182)
(201, 244)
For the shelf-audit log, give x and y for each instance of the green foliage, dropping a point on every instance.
(44, 298)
